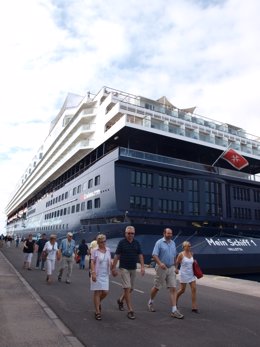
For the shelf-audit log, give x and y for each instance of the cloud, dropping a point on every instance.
(196, 52)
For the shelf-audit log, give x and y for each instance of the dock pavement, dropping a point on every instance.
(33, 313)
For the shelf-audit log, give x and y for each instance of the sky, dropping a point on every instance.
(203, 53)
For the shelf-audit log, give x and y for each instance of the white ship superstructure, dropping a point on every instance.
(86, 122)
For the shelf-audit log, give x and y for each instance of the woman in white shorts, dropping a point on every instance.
(185, 260)
(51, 249)
(100, 270)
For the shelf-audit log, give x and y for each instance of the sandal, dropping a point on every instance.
(131, 315)
(120, 305)
(98, 316)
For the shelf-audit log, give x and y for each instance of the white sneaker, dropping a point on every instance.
(151, 307)
(177, 315)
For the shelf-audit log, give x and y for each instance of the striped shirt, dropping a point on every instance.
(128, 253)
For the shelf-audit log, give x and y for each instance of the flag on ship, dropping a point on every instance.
(235, 159)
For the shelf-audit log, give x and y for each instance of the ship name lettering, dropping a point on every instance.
(218, 242)
(240, 243)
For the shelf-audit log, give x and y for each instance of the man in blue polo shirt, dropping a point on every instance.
(128, 252)
(164, 254)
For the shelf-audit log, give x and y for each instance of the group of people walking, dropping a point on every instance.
(128, 254)
(48, 252)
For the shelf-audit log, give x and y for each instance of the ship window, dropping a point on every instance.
(79, 189)
(149, 106)
(257, 195)
(141, 179)
(90, 183)
(77, 207)
(73, 209)
(141, 203)
(97, 202)
(171, 206)
(242, 213)
(61, 212)
(171, 183)
(66, 195)
(56, 199)
(82, 206)
(53, 201)
(97, 180)
(74, 191)
(68, 210)
(58, 213)
(213, 203)
(257, 214)
(65, 211)
(242, 194)
(89, 204)
(193, 197)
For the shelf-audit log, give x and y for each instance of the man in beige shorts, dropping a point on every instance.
(164, 254)
(128, 252)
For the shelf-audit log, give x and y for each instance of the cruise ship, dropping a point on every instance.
(115, 159)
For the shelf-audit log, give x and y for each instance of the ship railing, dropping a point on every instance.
(155, 120)
(178, 121)
(131, 153)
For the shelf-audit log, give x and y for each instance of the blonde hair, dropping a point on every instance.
(101, 237)
(185, 243)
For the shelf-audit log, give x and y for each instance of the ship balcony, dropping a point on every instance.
(90, 112)
(177, 121)
(256, 150)
(247, 148)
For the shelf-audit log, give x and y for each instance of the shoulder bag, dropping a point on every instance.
(197, 270)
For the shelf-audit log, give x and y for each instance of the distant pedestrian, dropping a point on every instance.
(40, 246)
(9, 240)
(82, 252)
(164, 254)
(51, 249)
(128, 252)
(185, 259)
(28, 250)
(93, 245)
(67, 249)
(17, 241)
(100, 270)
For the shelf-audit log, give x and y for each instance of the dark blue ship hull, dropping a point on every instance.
(216, 255)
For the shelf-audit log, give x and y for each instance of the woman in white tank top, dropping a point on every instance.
(185, 260)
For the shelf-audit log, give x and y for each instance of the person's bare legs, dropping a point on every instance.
(180, 291)
(127, 297)
(96, 298)
(154, 292)
(193, 288)
(103, 295)
(173, 296)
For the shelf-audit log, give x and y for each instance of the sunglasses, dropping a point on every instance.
(130, 233)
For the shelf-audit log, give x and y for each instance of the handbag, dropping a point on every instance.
(197, 270)
(44, 255)
(77, 258)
